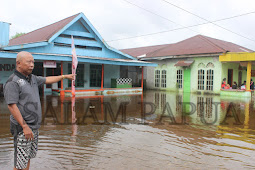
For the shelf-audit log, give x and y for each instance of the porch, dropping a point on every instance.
(242, 65)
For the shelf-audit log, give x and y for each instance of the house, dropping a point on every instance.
(191, 65)
(101, 69)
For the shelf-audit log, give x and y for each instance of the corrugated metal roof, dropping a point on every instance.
(41, 34)
(198, 44)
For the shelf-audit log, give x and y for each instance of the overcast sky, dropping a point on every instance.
(118, 19)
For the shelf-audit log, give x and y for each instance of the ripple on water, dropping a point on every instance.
(139, 146)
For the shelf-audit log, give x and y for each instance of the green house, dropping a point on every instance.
(191, 65)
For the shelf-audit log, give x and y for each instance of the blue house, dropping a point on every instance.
(101, 69)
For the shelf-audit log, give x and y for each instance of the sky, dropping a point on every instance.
(119, 20)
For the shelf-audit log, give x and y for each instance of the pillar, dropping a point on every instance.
(248, 80)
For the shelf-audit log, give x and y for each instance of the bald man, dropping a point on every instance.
(22, 96)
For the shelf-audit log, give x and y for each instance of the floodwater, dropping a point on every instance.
(156, 130)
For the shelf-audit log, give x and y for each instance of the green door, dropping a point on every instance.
(186, 90)
(186, 80)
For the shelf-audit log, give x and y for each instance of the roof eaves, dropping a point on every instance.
(181, 56)
(26, 45)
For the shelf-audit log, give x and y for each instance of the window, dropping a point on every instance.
(201, 79)
(79, 81)
(95, 75)
(163, 79)
(179, 78)
(209, 82)
(157, 78)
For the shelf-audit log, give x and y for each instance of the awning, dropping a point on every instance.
(184, 63)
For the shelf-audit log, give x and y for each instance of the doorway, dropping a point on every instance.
(230, 77)
(38, 71)
(239, 78)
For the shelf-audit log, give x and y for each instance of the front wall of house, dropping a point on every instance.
(167, 65)
(204, 63)
(7, 67)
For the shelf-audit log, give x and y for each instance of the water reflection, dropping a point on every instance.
(156, 130)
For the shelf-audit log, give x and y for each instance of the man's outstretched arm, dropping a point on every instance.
(55, 79)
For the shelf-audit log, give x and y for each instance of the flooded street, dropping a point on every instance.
(156, 130)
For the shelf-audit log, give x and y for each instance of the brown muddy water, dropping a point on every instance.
(194, 132)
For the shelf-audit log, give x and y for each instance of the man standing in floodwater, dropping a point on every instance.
(22, 96)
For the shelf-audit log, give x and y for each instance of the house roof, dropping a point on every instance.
(135, 52)
(42, 34)
(198, 44)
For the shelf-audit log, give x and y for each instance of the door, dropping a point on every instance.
(230, 77)
(38, 71)
(239, 78)
(186, 80)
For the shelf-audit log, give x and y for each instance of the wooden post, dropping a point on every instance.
(248, 81)
(102, 77)
(62, 93)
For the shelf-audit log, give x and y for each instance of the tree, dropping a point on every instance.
(18, 34)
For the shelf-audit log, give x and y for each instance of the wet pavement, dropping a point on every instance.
(156, 130)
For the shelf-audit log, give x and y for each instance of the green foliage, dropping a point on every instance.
(18, 34)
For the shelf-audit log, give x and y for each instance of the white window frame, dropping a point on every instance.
(163, 78)
(179, 78)
(201, 79)
(209, 79)
(157, 78)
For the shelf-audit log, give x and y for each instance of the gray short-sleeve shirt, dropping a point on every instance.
(24, 92)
